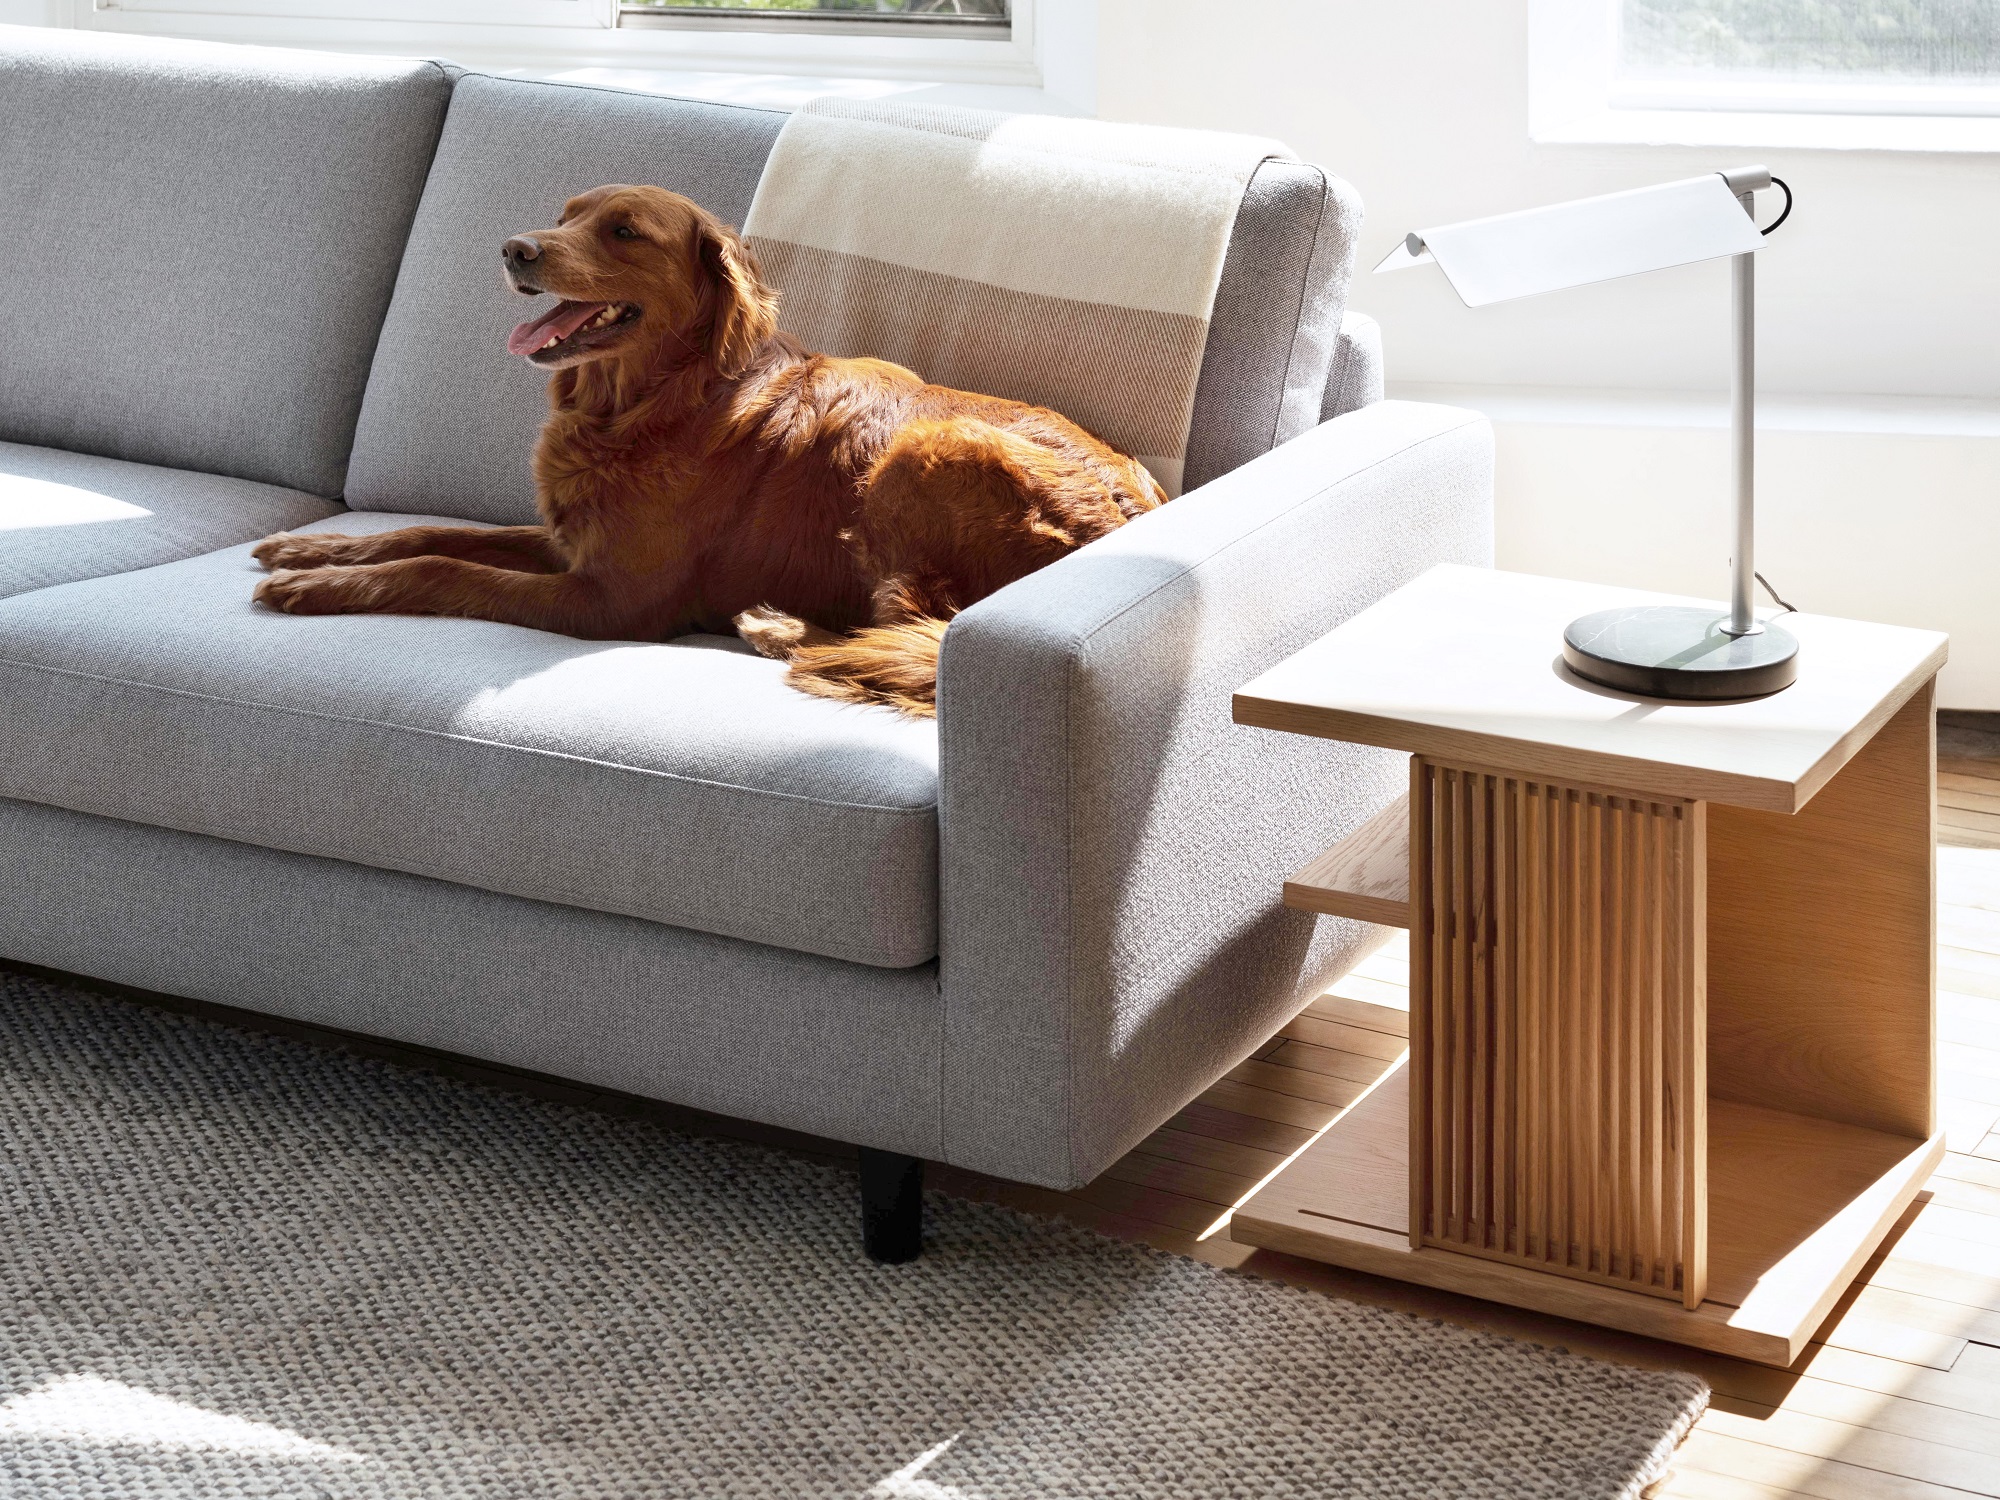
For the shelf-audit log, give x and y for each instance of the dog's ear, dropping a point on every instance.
(746, 310)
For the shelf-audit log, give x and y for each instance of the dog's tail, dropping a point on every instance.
(892, 664)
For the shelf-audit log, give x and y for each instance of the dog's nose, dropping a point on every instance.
(521, 249)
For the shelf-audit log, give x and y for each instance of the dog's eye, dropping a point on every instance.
(626, 232)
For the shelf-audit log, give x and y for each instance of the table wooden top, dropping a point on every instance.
(1465, 664)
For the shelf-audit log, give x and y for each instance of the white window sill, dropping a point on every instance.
(1559, 406)
(787, 91)
(1807, 132)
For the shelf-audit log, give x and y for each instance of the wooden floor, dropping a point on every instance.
(1898, 1398)
(1969, 803)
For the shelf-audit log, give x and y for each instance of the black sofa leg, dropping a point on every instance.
(892, 1206)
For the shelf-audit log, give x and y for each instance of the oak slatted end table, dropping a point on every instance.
(1671, 968)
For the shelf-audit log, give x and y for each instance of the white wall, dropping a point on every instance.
(1872, 525)
(33, 12)
(1883, 281)
(1886, 282)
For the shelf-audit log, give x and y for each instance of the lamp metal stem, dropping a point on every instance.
(1743, 435)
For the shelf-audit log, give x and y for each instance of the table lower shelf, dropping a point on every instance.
(1796, 1207)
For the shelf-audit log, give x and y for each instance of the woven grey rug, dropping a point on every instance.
(240, 1266)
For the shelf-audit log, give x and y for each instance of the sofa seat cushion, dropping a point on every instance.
(682, 783)
(65, 516)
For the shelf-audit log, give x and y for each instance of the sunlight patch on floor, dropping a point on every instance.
(1383, 977)
(86, 1409)
(1222, 1223)
(905, 1483)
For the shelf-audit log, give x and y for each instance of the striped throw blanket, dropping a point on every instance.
(1067, 263)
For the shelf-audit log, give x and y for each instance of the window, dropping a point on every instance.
(1920, 74)
(315, 19)
(1044, 46)
(977, 19)
(1840, 56)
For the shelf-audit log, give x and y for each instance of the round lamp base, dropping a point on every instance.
(1679, 651)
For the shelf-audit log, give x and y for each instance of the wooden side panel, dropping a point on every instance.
(1822, 941)
(1557, 1065)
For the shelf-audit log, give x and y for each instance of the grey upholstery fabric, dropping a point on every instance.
(450, 417)
(1356, 377)
(667, 782)
(1112, 845)
(65, 516)
(200, 245)
(1111, 852)
(737, 1028)
(1277, 317)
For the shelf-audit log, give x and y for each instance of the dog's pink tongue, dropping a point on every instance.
(558, 322)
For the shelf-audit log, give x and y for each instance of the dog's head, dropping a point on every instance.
(645, 276)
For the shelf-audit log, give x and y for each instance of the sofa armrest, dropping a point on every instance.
(1355, 378)
(1112, 844)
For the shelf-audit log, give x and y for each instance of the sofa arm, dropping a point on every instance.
(1112, 844)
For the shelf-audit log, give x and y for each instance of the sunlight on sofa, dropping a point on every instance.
(34, 503)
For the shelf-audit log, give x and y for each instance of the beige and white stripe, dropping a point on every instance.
(1068, 263)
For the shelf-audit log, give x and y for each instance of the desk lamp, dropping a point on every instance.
(1663, 651)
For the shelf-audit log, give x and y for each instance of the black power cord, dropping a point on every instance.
(1779, 182)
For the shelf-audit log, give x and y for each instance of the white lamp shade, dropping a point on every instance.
(1585, 240)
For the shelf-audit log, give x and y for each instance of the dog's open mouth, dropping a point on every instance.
(569, 328)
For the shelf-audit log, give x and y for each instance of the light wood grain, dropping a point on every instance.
(1808, 1474)
(1286, 1215)
(1694, 1046)
(1581, 1079)
(1312, 1025)
(1797, 1206)
(1365, 876)
(1341, 1005)
(1613, 946)
(1821, 954)
(1464, 665)
(1424, 948)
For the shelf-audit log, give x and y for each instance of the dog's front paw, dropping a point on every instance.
(288, 551)
(299, 592)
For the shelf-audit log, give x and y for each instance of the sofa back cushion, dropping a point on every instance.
(201, 243)
(1277, 318)
(450, 417)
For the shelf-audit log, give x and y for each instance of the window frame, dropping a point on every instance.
(1576, 97)
(544, 37)
(103, 14)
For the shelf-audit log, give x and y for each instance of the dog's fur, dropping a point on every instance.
(699, 469)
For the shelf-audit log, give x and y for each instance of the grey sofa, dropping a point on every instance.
(249, 291)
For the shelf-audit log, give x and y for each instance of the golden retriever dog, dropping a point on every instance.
(701, 471)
